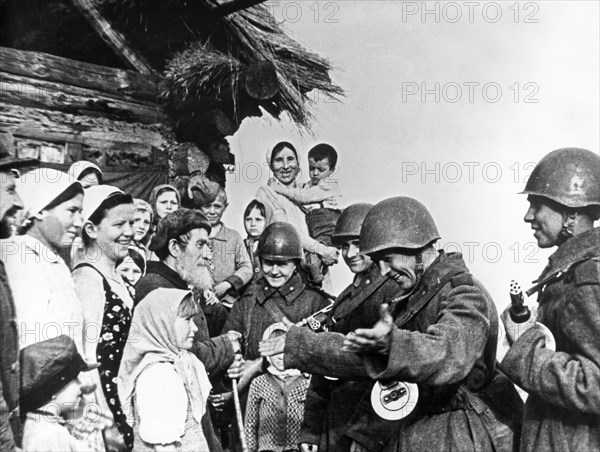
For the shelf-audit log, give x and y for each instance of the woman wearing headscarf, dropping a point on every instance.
(87, 173)
(107, 233)
(283, 161)
(45, 298)
(164, 199)
(163, 386)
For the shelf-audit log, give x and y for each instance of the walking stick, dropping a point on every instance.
(238, 415)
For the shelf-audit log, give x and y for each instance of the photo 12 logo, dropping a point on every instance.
(469, 92)
(293, 12)
(470, 12)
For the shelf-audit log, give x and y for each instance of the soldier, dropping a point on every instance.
(443, 338)
(280, 295)
(563, 408)
(335, 420)
(10, 428)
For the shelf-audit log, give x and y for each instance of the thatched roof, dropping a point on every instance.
(215, 69)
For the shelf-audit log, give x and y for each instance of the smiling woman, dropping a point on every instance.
(43, 291)
(107, 234)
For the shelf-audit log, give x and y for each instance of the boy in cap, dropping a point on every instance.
(51, 395)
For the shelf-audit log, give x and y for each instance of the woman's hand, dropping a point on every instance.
(305, 447)
(329, 254)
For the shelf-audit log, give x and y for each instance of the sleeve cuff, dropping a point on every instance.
(236, 284)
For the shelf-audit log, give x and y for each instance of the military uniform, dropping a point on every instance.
(563, 408)
(333, 417)
(449, 349)
(250, 316)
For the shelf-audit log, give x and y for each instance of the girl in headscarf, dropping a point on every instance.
(164, 199)
(132, 267)
(254, 223)
(163, 386)
(107, 304)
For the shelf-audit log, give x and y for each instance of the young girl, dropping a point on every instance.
(254, 222)
(268, 427)
(107, 304)
(164, 199)
(162, 384)
(142, 221)
(132, 267)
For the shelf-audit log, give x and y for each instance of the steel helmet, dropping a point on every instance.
(400, 222)
(349, 223)
(280, 242)
(569, 176)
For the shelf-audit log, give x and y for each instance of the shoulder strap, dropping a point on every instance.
(414, 308)
(354, 302)
(274, 311)
(555, 275)
(105, 283)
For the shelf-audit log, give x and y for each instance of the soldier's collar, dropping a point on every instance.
(289, 291)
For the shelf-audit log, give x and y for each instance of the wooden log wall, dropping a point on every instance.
(61, 110)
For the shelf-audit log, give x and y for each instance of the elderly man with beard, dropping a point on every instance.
(9, 345)
(180, 242)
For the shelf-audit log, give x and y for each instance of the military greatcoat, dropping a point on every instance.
(449, 349)
(562, 412)
(334, 416)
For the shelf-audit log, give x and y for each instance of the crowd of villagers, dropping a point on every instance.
(149, 325)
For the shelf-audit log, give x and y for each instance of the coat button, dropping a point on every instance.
(291, 289)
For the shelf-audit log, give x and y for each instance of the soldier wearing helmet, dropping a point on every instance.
(334, 420)
(442, 337)
(563, 382)
(280, 295)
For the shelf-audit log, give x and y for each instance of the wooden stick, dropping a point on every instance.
(238, 414)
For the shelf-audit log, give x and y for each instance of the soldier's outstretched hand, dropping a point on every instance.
(272, 347)
(372, 340)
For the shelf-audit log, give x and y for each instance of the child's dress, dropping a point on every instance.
(274, 412)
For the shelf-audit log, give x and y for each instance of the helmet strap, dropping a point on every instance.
(570, 218)
(420, 267)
